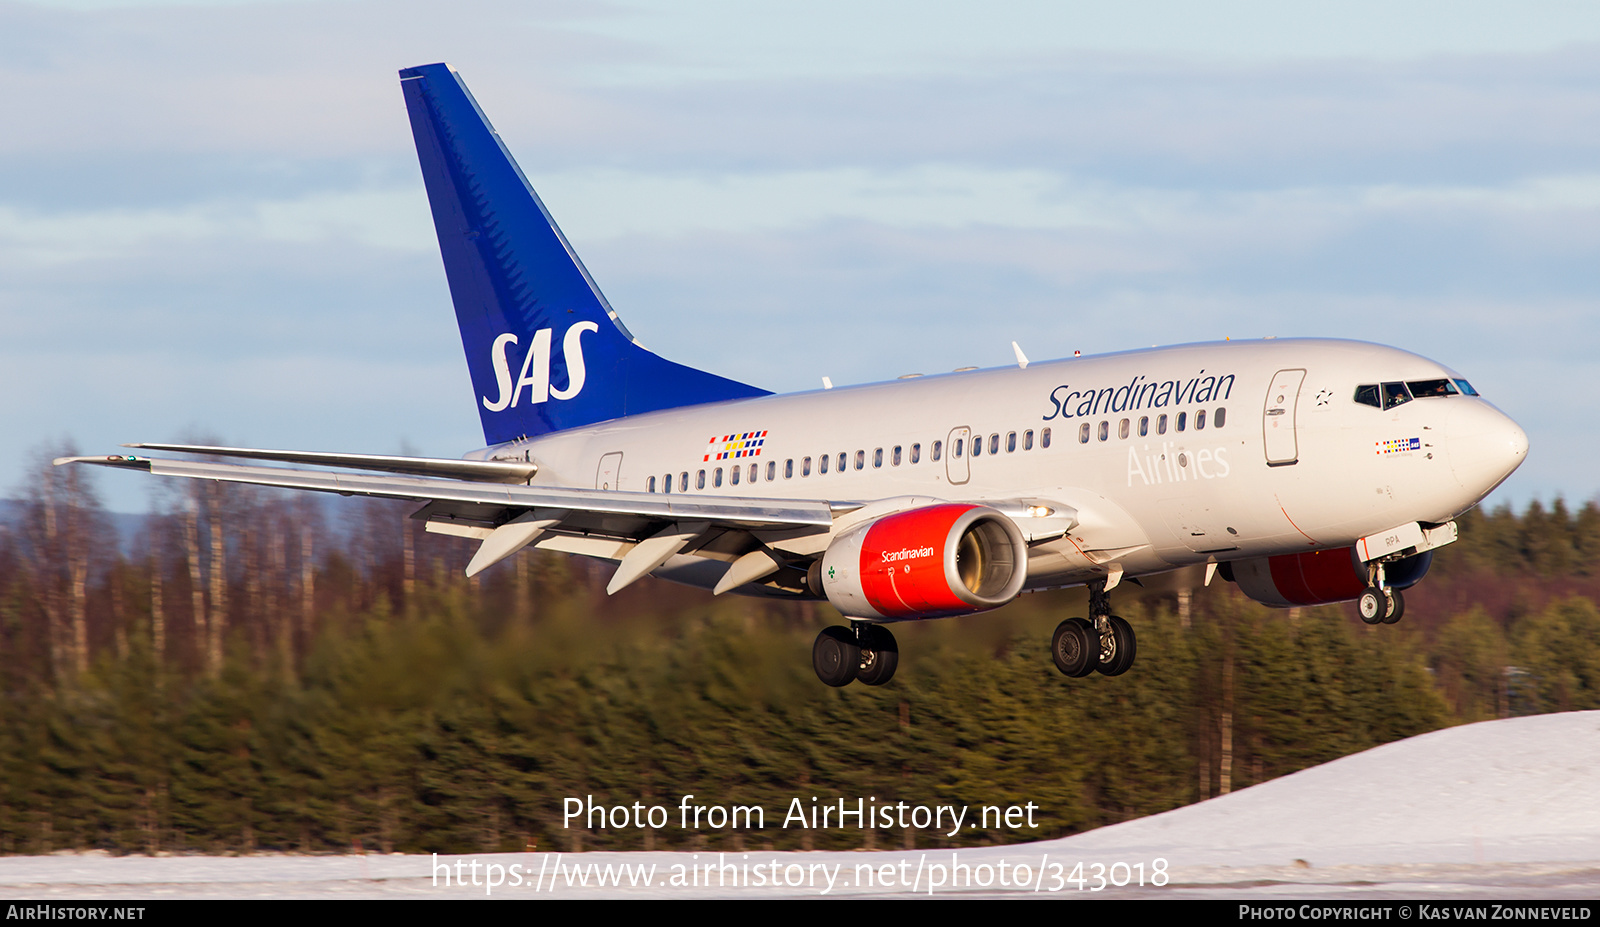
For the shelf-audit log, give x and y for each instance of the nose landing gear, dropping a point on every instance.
(1381, 606)
(1380, 603)
(1395, 606)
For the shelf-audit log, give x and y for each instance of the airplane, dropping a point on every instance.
(1306, 471)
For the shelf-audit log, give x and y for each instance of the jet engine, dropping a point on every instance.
(925, 563)
(1318, 577)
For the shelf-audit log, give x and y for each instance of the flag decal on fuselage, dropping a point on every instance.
(1398, 445)
(730, 447)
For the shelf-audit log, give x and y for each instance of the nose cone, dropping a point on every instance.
(1486, 446)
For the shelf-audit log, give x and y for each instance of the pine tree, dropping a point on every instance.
(1560, 650)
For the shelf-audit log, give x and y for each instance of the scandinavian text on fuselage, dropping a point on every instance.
(1139, 393)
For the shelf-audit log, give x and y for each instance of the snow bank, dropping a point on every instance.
(1499, 809)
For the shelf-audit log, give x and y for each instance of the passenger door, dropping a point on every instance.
(1277, 418)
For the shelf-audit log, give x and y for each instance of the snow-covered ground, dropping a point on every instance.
(1503, 809)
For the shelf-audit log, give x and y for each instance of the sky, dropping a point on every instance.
(212, 225)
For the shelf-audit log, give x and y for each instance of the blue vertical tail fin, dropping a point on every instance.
(545, 350)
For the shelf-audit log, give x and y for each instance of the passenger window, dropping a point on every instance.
(959, 443)
(1183, 419)
(1221, 417)
(1083, 433)
(700, 480)
(1161, 424)
(1200, 420)
(861, 460)
(1027, 440)
(822, 464)
(734, 476)
(994, 444)
(977, 446)
(1395, 394)
(1011, 442)
(772, 469)
(1122, 429)
(938, 451)
(840, 468)
(877, 459)
(1105, 431)
(716, 479)
(1144, 426)
(805, 466)
(666, 483)
(753, 472)
(896, 459)
(916, 453)
(1044, 438)
(683, 480)
(650, 485)
(1368, 395)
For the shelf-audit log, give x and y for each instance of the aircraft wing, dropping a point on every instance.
(643, 530)
(761, 541)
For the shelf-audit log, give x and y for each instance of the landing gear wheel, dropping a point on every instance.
(880, 654)
(1075, 648)
(1372, 604)
(835, 656)
(1395, 606)
(1117, 654)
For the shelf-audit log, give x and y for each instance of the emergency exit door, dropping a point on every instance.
(609, 474)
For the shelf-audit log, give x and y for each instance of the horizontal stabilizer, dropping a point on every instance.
(726, 511)
(488, 471)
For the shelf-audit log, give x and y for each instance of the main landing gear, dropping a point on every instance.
(1104, 643)
(864, 653)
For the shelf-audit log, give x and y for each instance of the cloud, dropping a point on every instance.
(391, 219)
(219, 203)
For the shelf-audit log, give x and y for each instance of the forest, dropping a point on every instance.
(251, 671)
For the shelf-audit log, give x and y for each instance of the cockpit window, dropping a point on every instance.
(1423, 389)
(1395, 394)
(1389, 395)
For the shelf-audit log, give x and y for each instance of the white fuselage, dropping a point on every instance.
(1272, 453)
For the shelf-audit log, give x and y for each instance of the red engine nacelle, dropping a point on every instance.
(925, 563)
(1317, 577)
